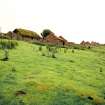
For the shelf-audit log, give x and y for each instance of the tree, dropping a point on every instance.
(46, 32)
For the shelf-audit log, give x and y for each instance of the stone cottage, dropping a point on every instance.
(53, 39)
(87, 43)
(64, 40)
(22, 34)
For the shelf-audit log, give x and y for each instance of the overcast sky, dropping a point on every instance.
(76, 20)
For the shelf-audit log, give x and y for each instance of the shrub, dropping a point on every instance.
(6, 55)
(48, 48)
(89, 47)
(65, 50)
(53, 52)
(40, 48)
(53, 55)
(13, 69)
(54, 49)
(8, 44)
(43, 54)
(72, 51)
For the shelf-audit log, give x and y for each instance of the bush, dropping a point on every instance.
(43, 54)
(40, 48)
(72, 51)
(8, 44)
(53, 55)
(13, 69)
(52, 51)
(65, 50)
(48, 48)
(6, 55)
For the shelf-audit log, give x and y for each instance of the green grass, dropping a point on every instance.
(68, 79)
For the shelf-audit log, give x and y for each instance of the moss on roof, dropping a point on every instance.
(25, 32)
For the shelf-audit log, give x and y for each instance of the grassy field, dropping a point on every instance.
(28, 78)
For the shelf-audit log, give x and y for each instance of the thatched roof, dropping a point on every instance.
(54, 37)
(61, 37)
(28, 33)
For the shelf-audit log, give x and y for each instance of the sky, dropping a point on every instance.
(76, 20)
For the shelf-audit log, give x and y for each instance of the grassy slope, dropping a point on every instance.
(68, 79)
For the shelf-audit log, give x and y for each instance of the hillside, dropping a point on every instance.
(71, 78)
